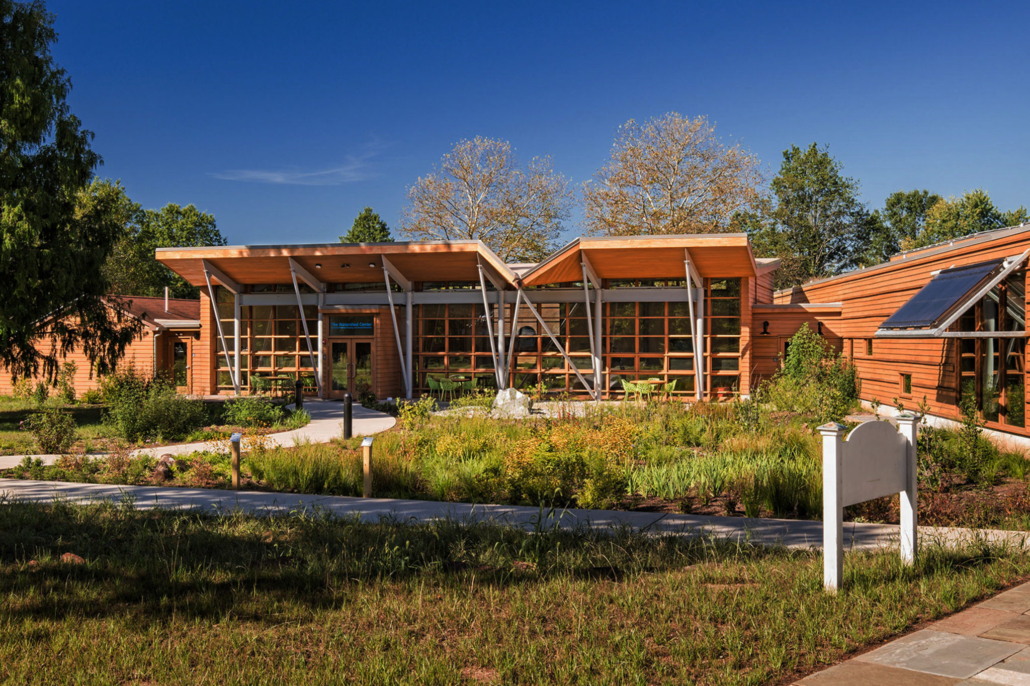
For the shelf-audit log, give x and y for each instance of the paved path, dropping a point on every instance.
(790, 533)
(326, 424)
(986, 644)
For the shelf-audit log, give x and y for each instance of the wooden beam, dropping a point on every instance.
(215, 273)
(306, 276)
(396, 274)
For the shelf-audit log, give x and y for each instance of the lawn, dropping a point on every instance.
(167, 597)
(92, 433)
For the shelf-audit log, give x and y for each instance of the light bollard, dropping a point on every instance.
(298, 403)
(366, 461)
(348, 416)
(234, 443)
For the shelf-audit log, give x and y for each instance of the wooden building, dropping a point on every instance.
(170, 330)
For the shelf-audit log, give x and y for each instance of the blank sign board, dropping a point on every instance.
(875, 463)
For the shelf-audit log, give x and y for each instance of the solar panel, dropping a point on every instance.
(939, 297)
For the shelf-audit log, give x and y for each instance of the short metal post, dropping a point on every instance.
(366, 460)
(833, 505)
(348, 416)
(299, 387)
(234, 443)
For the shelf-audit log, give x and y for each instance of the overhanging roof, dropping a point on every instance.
(647, 257)
(338, 262)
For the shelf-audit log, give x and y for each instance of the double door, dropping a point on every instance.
(350, 366)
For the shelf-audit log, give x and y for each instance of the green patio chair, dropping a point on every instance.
(667, 390)
(629, 388)
(469, 385)
(449, 387)
(434, 387)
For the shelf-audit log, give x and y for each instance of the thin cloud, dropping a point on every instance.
(356, 168)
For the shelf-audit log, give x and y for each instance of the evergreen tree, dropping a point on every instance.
(368, 228)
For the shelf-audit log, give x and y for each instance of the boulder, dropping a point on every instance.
(511, 404)
(167, 459)
(162, 473)
(72, 559)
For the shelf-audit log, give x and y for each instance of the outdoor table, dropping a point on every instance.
(278, 382)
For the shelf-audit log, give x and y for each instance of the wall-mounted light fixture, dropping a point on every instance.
(820, 328)
(765, 329)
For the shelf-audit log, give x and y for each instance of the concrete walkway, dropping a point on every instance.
(326, 423)
(986, 644)
(790, 533)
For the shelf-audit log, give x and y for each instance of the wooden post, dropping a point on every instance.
(366, 459)
(908, 426)
(833, 506)
(234, 443)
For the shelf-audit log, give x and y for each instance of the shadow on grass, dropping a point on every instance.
(152, 563)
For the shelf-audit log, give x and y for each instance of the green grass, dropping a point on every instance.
(91, 430)
(173, 597)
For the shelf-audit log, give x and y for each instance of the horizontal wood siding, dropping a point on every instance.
(870, 297)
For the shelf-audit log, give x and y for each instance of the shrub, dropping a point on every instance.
(814, 379)
(92, 397)
(144, 409)
(252, 412)
(22, 388)
(417, 412)
(41, 394)
(53, 429)
(66, 382)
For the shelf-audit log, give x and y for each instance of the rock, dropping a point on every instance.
(168, 459)
(162, 473)
(72, 559)
(511, 404)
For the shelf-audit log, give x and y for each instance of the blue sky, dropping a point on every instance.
(285, 119)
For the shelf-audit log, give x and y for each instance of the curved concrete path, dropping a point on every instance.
(326, 424)
(787, 532)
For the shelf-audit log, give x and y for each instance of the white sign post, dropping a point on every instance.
(875, 460)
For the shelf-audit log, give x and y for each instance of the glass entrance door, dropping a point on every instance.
(350, 367)
(181, 354)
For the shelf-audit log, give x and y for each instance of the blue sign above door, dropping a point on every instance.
(353, 325)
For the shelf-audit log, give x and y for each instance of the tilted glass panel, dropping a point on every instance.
(941, 296)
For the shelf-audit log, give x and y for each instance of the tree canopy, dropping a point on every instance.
(957, 217)
(56, 228)
(901, 221)
(481, 192)
(671, 175)
(133, 268)
(817, 225)
(368, 227)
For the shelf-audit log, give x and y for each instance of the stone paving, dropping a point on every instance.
(986, 644)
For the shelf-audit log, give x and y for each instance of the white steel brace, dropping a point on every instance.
(489, 327)
(234, 373)
(554, 340)
(396, 328)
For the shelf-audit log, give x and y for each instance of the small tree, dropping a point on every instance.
(368, 228)
(814, 379)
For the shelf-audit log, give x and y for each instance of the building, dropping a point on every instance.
(396, 318)
(400, 319)
(170, 330)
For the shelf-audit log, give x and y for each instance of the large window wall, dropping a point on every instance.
(451, 343)
(993, 370)
(723, 336)
(650, 341)
(272, 341)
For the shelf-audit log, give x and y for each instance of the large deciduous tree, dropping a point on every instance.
(671, 175)
(56, 230)
(818, 226)
(133, 268)
(898, 224)
(368, 227)
(481, 192)
(957, 217)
